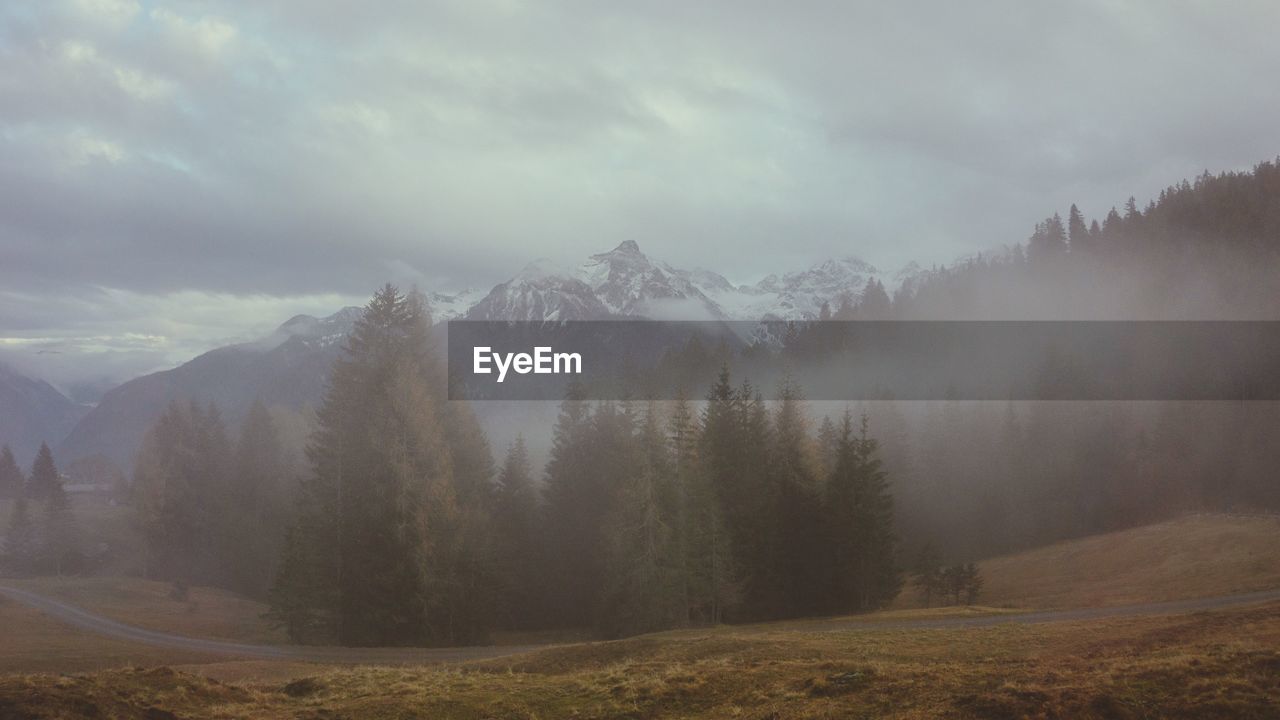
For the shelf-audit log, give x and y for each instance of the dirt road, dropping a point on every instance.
(376, 656)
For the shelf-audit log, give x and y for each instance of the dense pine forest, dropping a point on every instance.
(748, 503)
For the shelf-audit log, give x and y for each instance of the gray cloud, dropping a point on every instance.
(303, 152)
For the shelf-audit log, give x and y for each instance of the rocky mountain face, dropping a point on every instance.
(31, 412)
(290, 366)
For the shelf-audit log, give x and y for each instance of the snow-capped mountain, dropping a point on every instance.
(311, 331)
(540, 292)
(289, 366)
(625, 282)
(451, 306)
(629, 283)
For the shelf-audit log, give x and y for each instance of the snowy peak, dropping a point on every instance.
(629, 283)
(626, 282)
(540, 292)
(310, 330)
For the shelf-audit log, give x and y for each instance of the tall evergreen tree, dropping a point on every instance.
(575, 502)
(44, 474)
(643, 585)
(61, 542)
(12, 482)
(1077, 232)
(410, 555)
(797, 561)
(180, 494)
(860, 522)
(256, 501)
(517, 538)
(21, 541)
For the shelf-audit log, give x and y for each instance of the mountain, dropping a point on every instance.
(31, 412)
(541, 291)
(630, 284)
(625, 282)
(288, 367)
(799, 295)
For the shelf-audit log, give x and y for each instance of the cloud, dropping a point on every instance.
(302, 149)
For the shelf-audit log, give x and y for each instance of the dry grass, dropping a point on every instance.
(207, 612)
(31, 641)
(1192, 557)
(1196, 556)
(1223, 664)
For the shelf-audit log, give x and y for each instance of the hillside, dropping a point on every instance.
(1194, 556)
(31, 412)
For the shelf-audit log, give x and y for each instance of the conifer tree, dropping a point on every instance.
(387, 549)
(574, 505)
(21, 541)
(61, 535)
(797, 561)
(518, 562)
(643, 587)
(706, 560)
(860, 522)
(180, 488)
(1077, 232)
(875, 303)
(44, 474)
(12, 482)
(256, 500)
(927, 572)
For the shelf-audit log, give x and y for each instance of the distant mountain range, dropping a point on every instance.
(31, 412)
(289, 367)
(626, 282)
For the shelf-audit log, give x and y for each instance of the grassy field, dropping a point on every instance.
(1208, 665)
(32, 642)
(206, 612)
(1196, 556)
(1223, 664)
(1191, 557)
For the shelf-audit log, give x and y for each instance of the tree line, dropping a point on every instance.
(649, 515)
(41, 542)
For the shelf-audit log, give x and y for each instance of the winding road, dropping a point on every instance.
(378, 656)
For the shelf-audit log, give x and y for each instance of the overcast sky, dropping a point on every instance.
(174, 176)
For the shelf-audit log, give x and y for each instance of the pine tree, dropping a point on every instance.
(61, 546)
(387, 549)
(927, 573)
(12, 482)
(256, 500)
(797, 562)
(706, 561)
(728, 494)
(860, 522)
(828, 446)
(1077, 232)
(181, 497)
(574, 504)
(518, 562)
(643, 587)
(1048, 243)
(21, 542)
(44, 474)
(875, 303)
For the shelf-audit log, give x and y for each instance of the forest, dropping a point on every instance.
(749, 503)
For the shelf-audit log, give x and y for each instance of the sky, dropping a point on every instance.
(176, 176)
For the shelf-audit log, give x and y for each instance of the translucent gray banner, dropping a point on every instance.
(830, 360)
